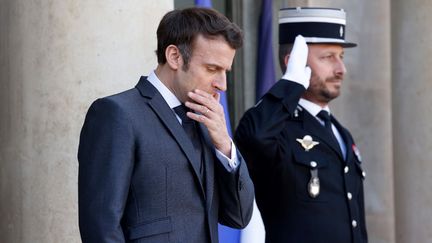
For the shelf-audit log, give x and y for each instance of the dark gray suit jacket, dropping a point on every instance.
(139, 177)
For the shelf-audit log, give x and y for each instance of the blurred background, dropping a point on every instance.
(56, 57)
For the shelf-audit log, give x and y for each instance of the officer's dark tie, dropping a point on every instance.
(325, 116)
(191, 128)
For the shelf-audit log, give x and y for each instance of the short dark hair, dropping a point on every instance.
(181, 27)
(284, 49)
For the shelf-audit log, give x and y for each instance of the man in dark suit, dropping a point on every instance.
(305, 165)
(156, 163)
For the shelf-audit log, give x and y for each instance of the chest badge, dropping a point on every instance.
(307, 143)
(357, 152)
(314, 182)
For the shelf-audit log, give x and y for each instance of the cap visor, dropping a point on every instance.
(344, 44)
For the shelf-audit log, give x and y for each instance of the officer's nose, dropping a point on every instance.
(340, 68)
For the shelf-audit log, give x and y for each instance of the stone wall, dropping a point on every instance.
(56, 58)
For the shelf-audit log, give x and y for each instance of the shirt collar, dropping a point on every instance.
(312, 108)
(168, 96)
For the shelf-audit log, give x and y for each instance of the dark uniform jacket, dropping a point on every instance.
(269, 136)
(139, 178)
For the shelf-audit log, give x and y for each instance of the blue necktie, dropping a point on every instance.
(325, 116)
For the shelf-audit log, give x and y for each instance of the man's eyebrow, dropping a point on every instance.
(333, 52)
(217, 66)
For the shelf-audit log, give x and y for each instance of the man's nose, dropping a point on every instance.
(220, 82)
(340, 68)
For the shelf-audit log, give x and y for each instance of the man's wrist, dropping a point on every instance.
(289, 77)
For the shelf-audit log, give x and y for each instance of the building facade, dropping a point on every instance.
(56, 57)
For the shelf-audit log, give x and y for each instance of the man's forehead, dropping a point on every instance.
(326, 48)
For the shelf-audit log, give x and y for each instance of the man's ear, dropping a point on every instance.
(173, 57)
(286, 58)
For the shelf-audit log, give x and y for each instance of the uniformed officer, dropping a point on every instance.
(305, 165)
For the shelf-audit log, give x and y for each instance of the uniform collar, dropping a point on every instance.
(311, 107)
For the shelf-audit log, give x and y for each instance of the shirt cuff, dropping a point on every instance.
(232, 163)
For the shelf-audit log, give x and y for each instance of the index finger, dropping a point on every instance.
(203, 98)
(299, 52)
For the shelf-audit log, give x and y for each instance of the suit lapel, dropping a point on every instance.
(312, 125)
(168, 118)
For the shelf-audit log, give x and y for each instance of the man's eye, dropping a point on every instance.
(329, 57)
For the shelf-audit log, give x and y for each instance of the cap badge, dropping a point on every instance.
(307, 143)
(341, 31)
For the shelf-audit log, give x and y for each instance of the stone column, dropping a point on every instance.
(365, 104)
(55, 58)
(365, 108)
(412, 129)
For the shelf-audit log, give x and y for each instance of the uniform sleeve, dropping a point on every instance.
(105, 158)
(260, 130)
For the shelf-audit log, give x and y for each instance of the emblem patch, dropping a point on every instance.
(307, 143)
(357, 152)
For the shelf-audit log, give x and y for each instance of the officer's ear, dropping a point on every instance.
(286, 58)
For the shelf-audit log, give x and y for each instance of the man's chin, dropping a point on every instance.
(335, 88)
(332, 93)
(336, 84)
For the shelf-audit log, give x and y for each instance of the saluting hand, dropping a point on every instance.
(296, 68)
(210, 113)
